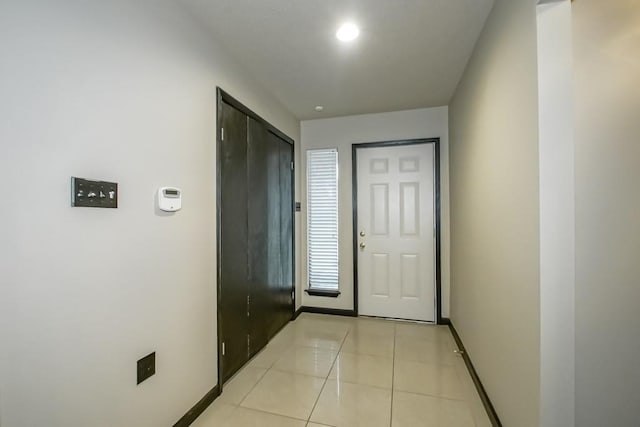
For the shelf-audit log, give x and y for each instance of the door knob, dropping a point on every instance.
(362, 246)
(362, 233)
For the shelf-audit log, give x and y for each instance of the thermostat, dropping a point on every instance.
(169, 199)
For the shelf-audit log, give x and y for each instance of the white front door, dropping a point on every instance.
(396, 231)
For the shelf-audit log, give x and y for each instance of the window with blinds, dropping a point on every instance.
(322, 219)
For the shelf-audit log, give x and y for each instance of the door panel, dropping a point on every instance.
(259, 219)
(380, 276)
(285, 300)
(380, 209)
(270, 234)
(396, 214)
(233, 239)
(273, 212)
(409, 209)
(409, 276)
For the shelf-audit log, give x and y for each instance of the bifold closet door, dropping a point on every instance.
(285, 303)
(234, 259)
(260, 233)
(256, 237)
(270, 234)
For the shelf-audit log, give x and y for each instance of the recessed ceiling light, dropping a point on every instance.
(319, 108)
(348, 32)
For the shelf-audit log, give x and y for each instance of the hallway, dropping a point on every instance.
(323, 370)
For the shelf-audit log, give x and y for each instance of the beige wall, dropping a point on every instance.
(557, 214)
(495, 303)
(607, 72)
(122, 91)
(341, 133)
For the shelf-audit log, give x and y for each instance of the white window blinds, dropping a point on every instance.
(322, 218)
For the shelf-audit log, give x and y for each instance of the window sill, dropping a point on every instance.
(322, 293)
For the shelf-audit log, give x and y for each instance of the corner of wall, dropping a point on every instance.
(493, 124)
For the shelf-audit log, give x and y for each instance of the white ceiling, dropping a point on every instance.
(410, 53)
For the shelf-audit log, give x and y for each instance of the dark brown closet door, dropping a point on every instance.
(270, 234)
(284, 303)
(256, 237)
(234, 323)
(260, 191)
(274, 249)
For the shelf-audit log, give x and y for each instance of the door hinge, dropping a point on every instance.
(292, 166)
(293, 295)
(221, 134)
(223, 349)
(248, 345)
(248, 306)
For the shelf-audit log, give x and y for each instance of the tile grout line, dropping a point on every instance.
(307, 421)
(465, 400)
(433, 395)
(262, 411)
(329, 373)
(253, 387)
(257, 382)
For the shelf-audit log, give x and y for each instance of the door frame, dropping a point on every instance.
(354, 183)
(222, 96)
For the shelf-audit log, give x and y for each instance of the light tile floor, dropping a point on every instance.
(347, 372)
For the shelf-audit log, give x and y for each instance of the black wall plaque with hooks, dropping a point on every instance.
(93, 194)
